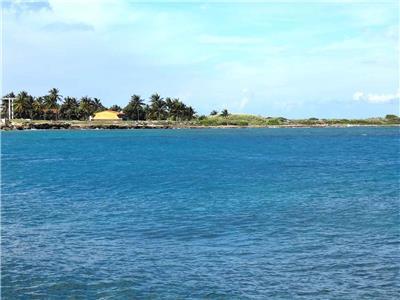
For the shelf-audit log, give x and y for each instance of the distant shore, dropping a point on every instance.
(53, 111)
(95, 125)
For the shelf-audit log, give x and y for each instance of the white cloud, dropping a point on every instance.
(358, 96)
(376, 98)
(207, 58)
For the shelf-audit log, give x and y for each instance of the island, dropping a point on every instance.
(52, 111)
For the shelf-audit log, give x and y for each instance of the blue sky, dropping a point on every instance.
(296, 59)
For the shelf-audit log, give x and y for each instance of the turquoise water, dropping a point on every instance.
(213, 213)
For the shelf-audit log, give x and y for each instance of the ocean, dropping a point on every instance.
(201, 214)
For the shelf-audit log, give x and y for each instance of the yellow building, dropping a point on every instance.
(107, 115)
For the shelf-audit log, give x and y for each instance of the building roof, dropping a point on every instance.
(107, 115)
(111, 111)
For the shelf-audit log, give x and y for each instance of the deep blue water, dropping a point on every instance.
(213, 213)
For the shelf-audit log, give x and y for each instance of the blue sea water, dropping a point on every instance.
(195, 214)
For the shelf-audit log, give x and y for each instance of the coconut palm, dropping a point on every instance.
(51, 100)
(190, 112)
(157, 106)
(169, 106)
(37, 108)
(176, 109)
(134, 110)
(23, 105)
(98, 105)
(69, 108)
(86, 108)
(224, 113)
(9, 95)
(213, 113)
(147, 112)
(115, 107)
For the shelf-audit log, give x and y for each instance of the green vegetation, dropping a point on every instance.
(253, 120)
(54, 106)
(392, 118)
(69, 112)
(214, 113)
(232, 119)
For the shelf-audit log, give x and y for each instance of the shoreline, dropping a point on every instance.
(65, 125)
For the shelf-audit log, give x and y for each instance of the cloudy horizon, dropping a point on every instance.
(311, 59)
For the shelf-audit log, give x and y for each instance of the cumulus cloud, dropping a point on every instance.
(358, 96)
(210, 54)
(376, 98)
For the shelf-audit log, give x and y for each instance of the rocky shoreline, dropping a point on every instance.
(93, 126)
(66, 125)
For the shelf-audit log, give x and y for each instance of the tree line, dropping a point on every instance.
(54, 106)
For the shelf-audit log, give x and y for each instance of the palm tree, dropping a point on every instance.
(23, 105)
(86, 108)
(51, 100)
(115, 107)
(213, 113)
(97, 103)
(224, 113)
(190, 112)
(147, 112)
(9, 95)
(157, 105)
(177, 109)
(138, 103)
(69, 108)
(169, 106)
(134, 109)
(37, 108)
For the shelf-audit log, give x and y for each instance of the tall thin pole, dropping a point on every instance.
(10, 106)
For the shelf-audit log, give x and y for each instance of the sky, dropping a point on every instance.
(297, 59)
